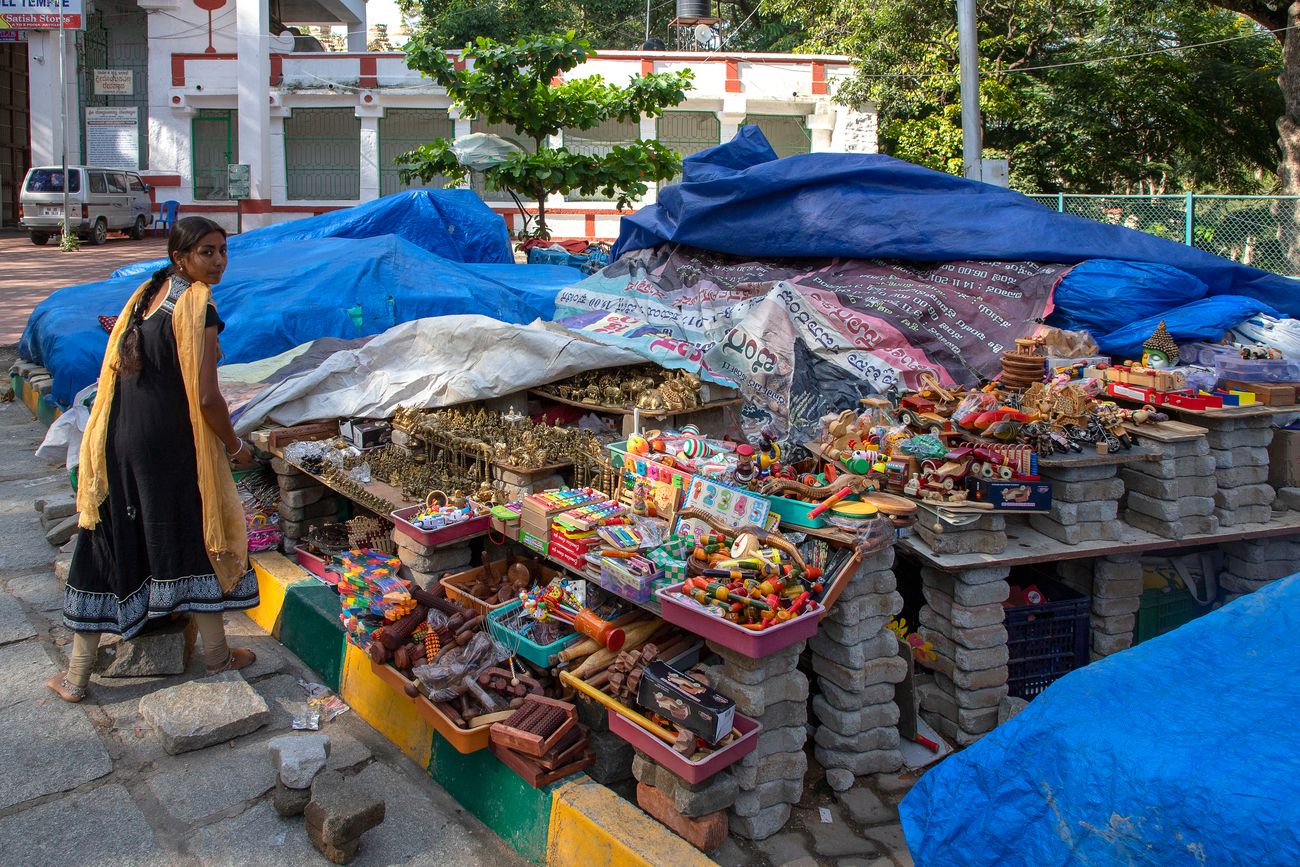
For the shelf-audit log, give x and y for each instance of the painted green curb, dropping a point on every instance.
(310, 627)
(518, 813)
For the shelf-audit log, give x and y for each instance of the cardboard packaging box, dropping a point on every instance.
(687, 702)
(1284, 459)
(1011, 496)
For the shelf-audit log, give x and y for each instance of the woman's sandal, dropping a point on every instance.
(240, 657)
(64, 690)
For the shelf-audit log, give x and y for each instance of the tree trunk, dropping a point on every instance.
(1288, 126)
(542, 231)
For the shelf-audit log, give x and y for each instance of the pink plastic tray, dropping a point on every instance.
(691, 772)
(315, 565)
(748, 642)
(442, 536)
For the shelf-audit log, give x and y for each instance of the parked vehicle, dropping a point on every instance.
(100, 200)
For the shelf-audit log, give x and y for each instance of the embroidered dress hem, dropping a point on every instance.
(86, 611)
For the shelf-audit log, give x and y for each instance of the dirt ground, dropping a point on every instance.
(30, 273)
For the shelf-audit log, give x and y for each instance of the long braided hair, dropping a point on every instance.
(184, 237)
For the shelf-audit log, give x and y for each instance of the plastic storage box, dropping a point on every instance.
(1046, 641)
(500, 624)
(750, 642)
(441, 536)
(691, 772)
(621, 582)
(1164, 610)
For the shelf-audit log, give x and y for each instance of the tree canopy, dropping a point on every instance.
(610, 24)
(1080, 95)
(521, 84)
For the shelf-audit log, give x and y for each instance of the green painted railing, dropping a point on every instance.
(1255, 230)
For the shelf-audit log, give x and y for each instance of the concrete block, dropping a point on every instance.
(887, 670)
(1170, 510)
(326, 507)
(974, 542)
(1229, 459)
(1245, 495)
(850, 723)
(976, 638)
(1176, 468)
(962, 592)
(1238, 476)
(964, 616)
(1097, 490)
(1091, 511)
(884, 643)
(1235, 439)
(1113, 624)
(860, 763)
(845, 699)
(882, 738)
(762, 824)
(856, 633)
(1078, 474)
(1167, 489)
(340, 810)
(964, 658)
(1244, 515)
(850, 611)
(1182, 449)
(1184, 527)
(983, 523)
(1105, 645)
(1073, 534)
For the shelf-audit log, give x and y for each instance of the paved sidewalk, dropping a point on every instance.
(91, 784)
(28, 274)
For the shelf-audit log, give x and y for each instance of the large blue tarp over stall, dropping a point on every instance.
(1180, 751)
(281, 296)
(455, 224)
(739, 198)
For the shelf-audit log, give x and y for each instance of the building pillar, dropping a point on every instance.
(279, 172)
(46, 119)
(649, 131)
(821, 126)
(731, 117)
(253, 46)
(369, 152)
(357, 37)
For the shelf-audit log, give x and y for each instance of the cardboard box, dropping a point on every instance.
(1267, 393)
(1011, 496)
(1284, 459)
(688, 703)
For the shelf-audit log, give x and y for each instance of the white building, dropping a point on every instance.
(320, 130)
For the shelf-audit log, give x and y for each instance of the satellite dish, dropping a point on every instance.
(705, 36)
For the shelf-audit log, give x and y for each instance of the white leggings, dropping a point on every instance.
(85, 644)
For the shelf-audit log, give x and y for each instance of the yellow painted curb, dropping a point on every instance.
(593, 827)
(389, 711)
(275, 573)
(30, 398)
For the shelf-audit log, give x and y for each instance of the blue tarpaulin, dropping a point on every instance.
(281, 296)
(737, 198)
(455, 224)
(1180, 751)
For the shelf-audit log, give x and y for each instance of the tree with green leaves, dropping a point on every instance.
(1079, 95)
(610, 24)
(521, 84)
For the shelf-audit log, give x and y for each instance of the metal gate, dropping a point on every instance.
(598, 141)
(786, 133)
(405, 129)
(215, 138)
(322, 154)
(688, 132)
(15, 135)
(116, 37)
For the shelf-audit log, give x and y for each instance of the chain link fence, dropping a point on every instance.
(1253, 230)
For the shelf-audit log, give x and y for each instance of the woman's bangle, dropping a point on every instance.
(239, 448)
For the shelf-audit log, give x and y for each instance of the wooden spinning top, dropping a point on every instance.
(1024, 365)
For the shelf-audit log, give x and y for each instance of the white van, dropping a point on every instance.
(100, 200)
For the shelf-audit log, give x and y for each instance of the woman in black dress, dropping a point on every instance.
(162, 531)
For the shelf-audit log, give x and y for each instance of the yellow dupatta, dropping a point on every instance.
(225, 533)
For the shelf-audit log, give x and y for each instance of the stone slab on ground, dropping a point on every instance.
(100, 826)
(204, 783)
(341, 811)
(13, 623)
(299, 757)
(256, 836)
(55, 740)
(162, 650)
(200, 713)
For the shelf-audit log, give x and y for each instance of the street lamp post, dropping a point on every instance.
(968, 55)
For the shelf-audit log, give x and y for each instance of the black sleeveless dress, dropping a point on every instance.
(146, 559)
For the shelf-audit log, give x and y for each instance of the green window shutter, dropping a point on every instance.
(322, 154)
(215, 139)
(786, 133)
(405, 129)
